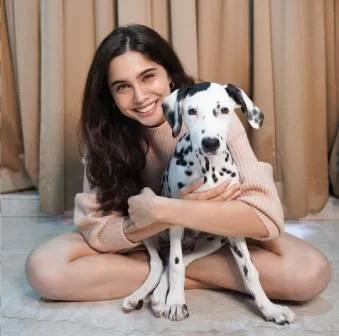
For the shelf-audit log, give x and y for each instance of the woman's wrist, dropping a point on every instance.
(158, 208)
(163, 208)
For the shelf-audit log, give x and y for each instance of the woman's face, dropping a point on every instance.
(138, 86)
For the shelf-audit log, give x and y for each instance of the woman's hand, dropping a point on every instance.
(140, 208)
(223, 192)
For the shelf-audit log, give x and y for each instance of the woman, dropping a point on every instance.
(128, 144)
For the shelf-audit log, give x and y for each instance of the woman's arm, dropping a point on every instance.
(135, 234)
(232, 218)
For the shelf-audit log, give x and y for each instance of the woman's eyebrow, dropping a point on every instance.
(142, 73)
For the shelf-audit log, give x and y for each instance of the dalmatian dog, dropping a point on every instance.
(206, 110)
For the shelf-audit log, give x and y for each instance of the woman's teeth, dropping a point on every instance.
(146, 108)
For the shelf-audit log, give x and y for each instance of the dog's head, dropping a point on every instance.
(206, 109)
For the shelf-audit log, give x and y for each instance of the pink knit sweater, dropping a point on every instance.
(106, 233)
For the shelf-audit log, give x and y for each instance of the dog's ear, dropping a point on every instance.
(254, 115)
(173, 109)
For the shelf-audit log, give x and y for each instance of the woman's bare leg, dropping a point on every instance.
(66, 268)
(289, 269)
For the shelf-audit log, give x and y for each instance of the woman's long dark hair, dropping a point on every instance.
(113, 145)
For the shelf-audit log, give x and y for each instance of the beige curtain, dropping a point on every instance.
(283, 53)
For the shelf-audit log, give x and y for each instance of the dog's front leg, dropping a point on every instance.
(176, 308)
(136, 299)
(272, 312)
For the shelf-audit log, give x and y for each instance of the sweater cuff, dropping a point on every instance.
(121, 243)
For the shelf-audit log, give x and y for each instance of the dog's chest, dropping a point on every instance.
(186, 166)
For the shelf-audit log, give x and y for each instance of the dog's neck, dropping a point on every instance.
(214, 168)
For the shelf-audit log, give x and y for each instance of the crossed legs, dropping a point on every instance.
(66, 268)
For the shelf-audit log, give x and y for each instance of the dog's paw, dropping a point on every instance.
(158, 299)
(176, 312)
(278, 314)
(132, 302)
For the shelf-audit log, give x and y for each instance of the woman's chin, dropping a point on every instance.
(152, 120)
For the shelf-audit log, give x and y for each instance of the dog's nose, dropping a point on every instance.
(210, 144)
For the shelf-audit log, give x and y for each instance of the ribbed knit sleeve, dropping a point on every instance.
(258, 188)
(102, 233)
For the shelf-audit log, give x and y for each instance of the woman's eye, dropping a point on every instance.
(192, 111)
(121, 87)
(148, 76)
(224, 110)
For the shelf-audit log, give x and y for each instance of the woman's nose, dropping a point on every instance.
(139, 94)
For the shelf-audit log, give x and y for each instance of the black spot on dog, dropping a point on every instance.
(191, 163)
(235, 93)
(176, 260)
(224, 110)
(236, 251)
(181, 163)
(255, 112)
(213, 169)
(214, 177)
(215, 112)
(188, 172)
(192, 90)
(187, 150)
(222, 240)
(233, 174)
(203, 170)
(200, 152)
(188, 137)
(207, 164)
(205, 179)
(203, 131)
(245, 269)
(139, 305)
(210, 238)
(180, 185)
(221, 173)
(169, 190)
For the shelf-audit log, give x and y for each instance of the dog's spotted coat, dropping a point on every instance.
(206, 109)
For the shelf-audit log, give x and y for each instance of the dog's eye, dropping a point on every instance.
(224, 110)
(192, 111)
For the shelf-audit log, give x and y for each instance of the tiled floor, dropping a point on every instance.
(211, 312)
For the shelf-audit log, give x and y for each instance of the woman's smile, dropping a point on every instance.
(139, 86)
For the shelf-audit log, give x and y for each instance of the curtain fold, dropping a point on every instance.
(283, 53)
(13, 175)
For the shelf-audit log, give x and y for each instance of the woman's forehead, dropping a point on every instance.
(129, 65)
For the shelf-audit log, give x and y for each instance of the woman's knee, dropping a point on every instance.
(44, 276)
(308, 277)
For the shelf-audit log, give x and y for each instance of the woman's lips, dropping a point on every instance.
(147, 110)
